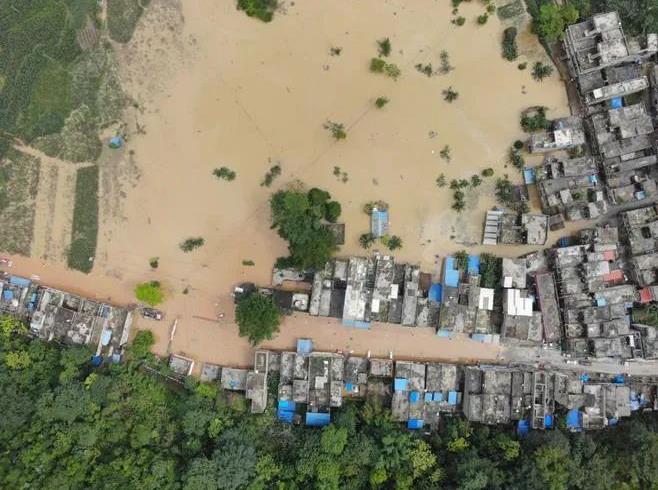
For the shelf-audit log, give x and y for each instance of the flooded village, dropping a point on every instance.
(566, 345)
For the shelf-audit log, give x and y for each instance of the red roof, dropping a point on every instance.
(645, 295)
(614, 276)
(609, 255)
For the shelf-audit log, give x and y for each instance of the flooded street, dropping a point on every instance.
(215, 88)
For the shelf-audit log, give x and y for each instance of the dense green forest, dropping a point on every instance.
(68, 425)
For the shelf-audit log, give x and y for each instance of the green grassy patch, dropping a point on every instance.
(85, 220)
(122, 18)
(19, 178)
(260, 9)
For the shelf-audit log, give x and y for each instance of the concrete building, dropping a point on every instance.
(565, 133)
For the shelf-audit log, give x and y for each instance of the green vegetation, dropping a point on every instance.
(445, 153)
(392, 242)
(516, 158)
(425, 69)
(392, 71)
(646, 315)
(510, 10)
(122, 18)
(535, 120)
(384, 47)
(522, 66)
(127, 426)
(459, 21)
(482, 19)
(85, 220)
(541, 71)
(510, 49)
(257, 317)
(491, 269)
(381, 102)
(638, 16)
(553, 19)
(150, 293)
(224, 173)
(450, 95)
(335, 51)
(476, 180)
(445, 67)
(377, 65)
(298, 218)
(487, 172)
(332, 211)
(461, 260)
(505, 195)
(366, 240)
(154, 262)
(441, 181)
(337, 130)
(190, 244)
(248, 263)
(271, 175)
(518, 145)
(261, 9)
(340, 175)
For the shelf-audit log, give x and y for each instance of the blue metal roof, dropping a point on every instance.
(616, 103)
(438, 396)
(379, 223)
(414, 397)
(356, 324)
(443, 333)
(287, 405)
(315, 419)
(450, 274)
(523, 427)
(548, 420)
(473, 264)
(7, 295)
(619, 379)
(415, 424)
(436, 293)
(304, 346)
(285, 416)
(19, 281)
(529, 175)
(400, 384)
(574, 420)
(452, 398)
(428, 396)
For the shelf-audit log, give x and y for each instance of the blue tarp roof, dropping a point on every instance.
(601, 302)
(438, 396)
(287, 405)
(7, 295)
(317, 419)
(584, 377)
(304, 346)
(548, 420)
(415, 424)
(479, 337)
(612, 421)
(529, 175)
(452, 398)
(349, 387)
(522, 428)
(619, 379)
(574, 419)
(450, 274)
(428, 396)
(96, 361)
(400, 384)
(564, 241)
(436, 293)
(443, 333)
(414, 397)
(19, 281)
(473, 264)
(616, 103)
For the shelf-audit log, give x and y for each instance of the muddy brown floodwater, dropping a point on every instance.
(215, 88)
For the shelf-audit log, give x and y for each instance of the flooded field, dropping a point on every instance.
(212, 87)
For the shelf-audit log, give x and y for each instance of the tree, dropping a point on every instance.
(141, 344)
(366, 240)
(377, 65)
(450, 95)
(487, 172)
(384, 46)
(150, 293)
(10, 325)
(258, 317)
(337, 130)
(541, 71)
(553, 19)
(441, 180)
(18, 359)
(393, 242)
(332, 211)
(333, 440)
(191, 244)
(381, 102)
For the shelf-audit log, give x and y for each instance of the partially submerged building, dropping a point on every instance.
(564, 133)
(503, 227)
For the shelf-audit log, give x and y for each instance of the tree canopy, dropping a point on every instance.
(257, 316)
(150, 293)
(300, 219)
(66, 424)
(553, 20)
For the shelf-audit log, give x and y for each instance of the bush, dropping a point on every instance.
(459, 21)
(450, 95)
(154, 262)
(541, 71)
(392, 71)
(85, 220)
(518, 145)
(257, 317)
(261, 9)
(516, 159)
(191, 244)
(366, 240)
(510, 50)
(441, 181)
(384, 46)
(522, 66)
(150, 293)
(393, 242)
(377, 65)
(445, 63)
(535, 122)
(487, 172)
(224, 173)
(475, 180)
(381, 102)
(445, 153)
(122, 18)
(332, 211)
(271, 175)
(337, 130)
(425, 69)
(482, 19)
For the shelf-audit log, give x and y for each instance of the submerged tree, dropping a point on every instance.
(450, 95)
(257, 317)
(150, 293)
